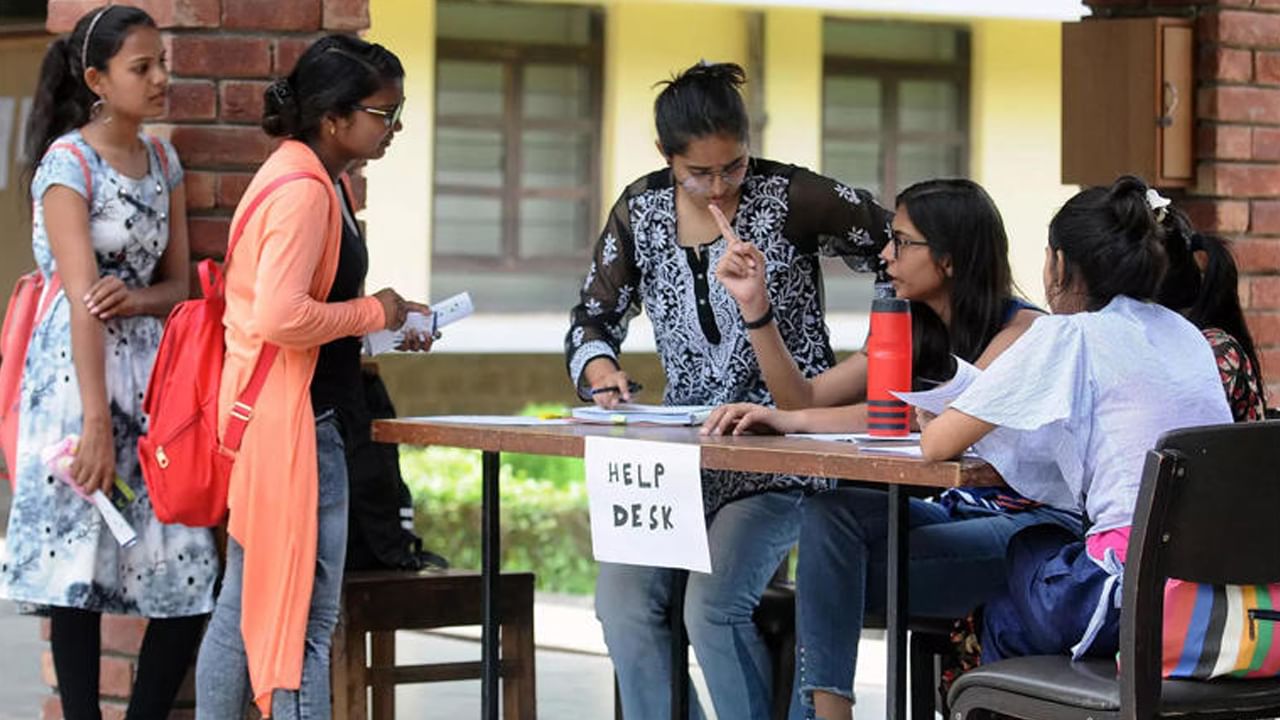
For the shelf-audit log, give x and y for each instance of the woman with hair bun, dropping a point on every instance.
(1202, 284)
(294, 284)
(109, 226)
(659, 250)
(1080, 398)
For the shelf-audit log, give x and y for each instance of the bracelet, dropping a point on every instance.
(762, 321)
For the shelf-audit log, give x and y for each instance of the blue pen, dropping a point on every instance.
(632, 387)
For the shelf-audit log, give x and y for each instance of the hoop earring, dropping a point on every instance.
(97, 109)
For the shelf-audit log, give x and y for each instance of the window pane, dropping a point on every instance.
(851, 103)
(922, 161)
(552, 227)
(928, 105)
(469, 88)
(467, 225)
(891, 40)
(516, 290)
(853, 163)
(545, 24)
(556, 91)
(468, 157)
(555, 158)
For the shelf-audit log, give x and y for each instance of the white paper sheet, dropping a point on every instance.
(445, 312)
(511, 420)
(937, 399)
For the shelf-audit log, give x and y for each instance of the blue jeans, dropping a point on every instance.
(748, 539)
(957, 562)
(222, 671)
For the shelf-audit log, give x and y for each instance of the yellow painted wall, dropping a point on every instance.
(398, 216)
(1016, 134)
(644, 43)
(793, 86)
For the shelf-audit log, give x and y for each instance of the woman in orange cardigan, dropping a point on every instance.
(294, 281)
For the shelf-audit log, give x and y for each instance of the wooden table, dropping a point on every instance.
(769, 454)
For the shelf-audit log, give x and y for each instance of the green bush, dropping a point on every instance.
(544, 520)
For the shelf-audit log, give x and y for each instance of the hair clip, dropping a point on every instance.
(281, 91)
(1158, 203)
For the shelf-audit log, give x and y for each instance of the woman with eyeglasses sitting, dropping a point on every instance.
(659, 250)
(949, 255)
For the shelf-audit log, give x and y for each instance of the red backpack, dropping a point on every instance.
(186, 468)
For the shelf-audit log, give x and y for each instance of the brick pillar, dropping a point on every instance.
(222, 54)
(1237, 191)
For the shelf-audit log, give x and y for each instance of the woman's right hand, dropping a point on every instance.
(609, 383)
(741, 418)
(741, 270)
(94, 467)
(394, 308)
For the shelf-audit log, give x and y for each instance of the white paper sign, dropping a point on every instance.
(646, 503)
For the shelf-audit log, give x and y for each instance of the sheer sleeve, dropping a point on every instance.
(1036, 392)
(832, 218)
(609, 298)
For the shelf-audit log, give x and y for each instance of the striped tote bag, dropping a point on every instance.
(1213, 631)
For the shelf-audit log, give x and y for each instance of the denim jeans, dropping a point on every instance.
(957, 562)
(222, 671)
(748, 539)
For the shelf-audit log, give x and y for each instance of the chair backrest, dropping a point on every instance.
(1206, 513)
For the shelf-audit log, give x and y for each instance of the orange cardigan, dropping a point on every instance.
(276, 283)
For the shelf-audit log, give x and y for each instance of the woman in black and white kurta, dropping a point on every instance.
(658, 252)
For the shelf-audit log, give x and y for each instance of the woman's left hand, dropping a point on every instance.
(414, 340)
(109, 297)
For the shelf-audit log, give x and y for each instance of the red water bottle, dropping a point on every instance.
(888, 364)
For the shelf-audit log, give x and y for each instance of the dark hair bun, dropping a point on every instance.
(1135, 219)
(725, 73)
(280, 109)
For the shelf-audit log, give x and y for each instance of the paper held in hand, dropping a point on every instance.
(445, 312)
(631, 413)
(646, 503)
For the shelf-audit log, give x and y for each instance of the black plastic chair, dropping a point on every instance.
(1207, 512)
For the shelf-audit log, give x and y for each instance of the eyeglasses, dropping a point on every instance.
(390, 117)
(899, 242)
(701, 181)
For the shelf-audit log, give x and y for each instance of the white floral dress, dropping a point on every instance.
(59, 552)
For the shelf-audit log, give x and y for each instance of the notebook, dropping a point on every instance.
(630, 413)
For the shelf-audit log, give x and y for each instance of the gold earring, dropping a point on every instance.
(333, 130)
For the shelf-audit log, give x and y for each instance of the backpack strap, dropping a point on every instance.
(160, 153)
(242, 409)
(84, 165)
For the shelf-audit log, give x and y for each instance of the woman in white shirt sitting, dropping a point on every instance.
(1068, 412)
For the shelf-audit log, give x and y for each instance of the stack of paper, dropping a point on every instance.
(630, 413)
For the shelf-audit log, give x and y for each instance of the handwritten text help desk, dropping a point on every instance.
(771, 454)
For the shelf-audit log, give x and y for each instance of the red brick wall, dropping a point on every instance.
(1237, 192)
(222, 53)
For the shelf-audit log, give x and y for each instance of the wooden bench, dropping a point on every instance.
(379, 603)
